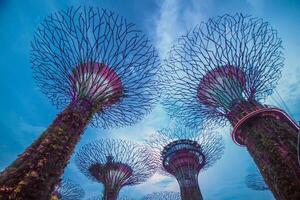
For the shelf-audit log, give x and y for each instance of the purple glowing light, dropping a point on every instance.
(96, 82)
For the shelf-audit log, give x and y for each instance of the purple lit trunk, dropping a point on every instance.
(36, 171)
(111, 193)
(189, 188)
(272, 144)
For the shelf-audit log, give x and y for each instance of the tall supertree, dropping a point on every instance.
(115, 164)
(183, 152)
(221, 71)
(94, 64)
(255, 181)
(162, 196)
(67, 190)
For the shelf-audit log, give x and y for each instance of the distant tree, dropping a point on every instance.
(255, 181)
(115, 164)
(162, 196)
(66, 190)
(183, 152)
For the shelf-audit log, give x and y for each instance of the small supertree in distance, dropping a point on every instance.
(255, 181)
(221, 71)
(162, 196)
(115, 164)
(183, 152)
(67, 190)
(100, 197)
(94, 64)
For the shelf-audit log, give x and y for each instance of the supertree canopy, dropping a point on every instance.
(95, 65)
(67, 190)
(162, 196)
(115, 164)
(255, 181)
(183, 153)
(100, 197)
(221, 71)
(94, 55)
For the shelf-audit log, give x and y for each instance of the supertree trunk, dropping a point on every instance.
(190, 191)
(111, 193)
(272, 143)
(36, 172)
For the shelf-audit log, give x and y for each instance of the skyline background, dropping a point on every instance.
(25, 112)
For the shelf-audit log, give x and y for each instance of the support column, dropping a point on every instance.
(189, 187)
(34, 174)
(272, 143)
(111, 193)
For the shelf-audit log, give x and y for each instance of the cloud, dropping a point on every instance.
(286, 94)
(174, 19)
(157, 183)
(256, 6)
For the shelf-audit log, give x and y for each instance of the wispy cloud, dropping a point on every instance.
(158, 183)
(174, 19)
(256, 6)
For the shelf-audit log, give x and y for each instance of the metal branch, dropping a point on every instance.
(100, 197)
(255, 181)
(183, 152)
(116, 163)
(162, 196)
(67, 190)
(221, 61)
(93, 53)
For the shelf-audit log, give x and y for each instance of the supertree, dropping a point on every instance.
(183, 152)
(255, 181)
(162, 196)
(221, 71)
(100, 197)
(67, 190)
(115, 164)
(94, 64)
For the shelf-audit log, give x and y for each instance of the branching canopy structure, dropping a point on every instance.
(183, 152)
(115, 164)
(255, 181)
(223, 61)
(94, 54)
(221, 71)
(67, 190)
(163, 196)
(95, 65)
(100, 197)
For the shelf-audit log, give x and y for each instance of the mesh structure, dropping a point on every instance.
(101, 70)
(115, 164)
(67, 190)
(100, 197)
(162, 196)
(221, 63)
(221, 71)
(94, 54)
(183, 152)
(255, 181)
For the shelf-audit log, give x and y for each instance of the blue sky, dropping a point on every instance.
(25, 112)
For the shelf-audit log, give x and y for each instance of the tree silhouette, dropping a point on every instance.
(221, 71)
(162, 196)
(100, 69)
(183, 152)
(255, 181)
(67, 190)
(115, 164)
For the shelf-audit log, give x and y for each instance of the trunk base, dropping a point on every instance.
(36, 172)
(272, 143)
